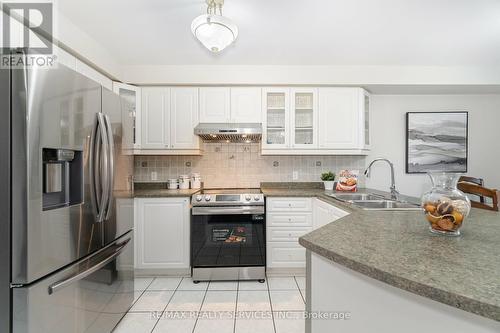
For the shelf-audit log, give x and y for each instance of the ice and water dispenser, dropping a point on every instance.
(62, 178)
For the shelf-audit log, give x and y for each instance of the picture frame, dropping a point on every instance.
(437, 141)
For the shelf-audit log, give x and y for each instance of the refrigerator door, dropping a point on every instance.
(89, 296)
(51, 109)
(119, 213)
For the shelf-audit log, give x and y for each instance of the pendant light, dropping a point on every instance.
(212, 29)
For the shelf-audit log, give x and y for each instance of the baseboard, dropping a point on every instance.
(178, 272)
(286, 271)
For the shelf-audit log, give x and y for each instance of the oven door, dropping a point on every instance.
(228, 237)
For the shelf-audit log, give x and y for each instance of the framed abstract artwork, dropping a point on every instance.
(436, 141)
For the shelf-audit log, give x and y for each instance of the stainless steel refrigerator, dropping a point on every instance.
(66, 238)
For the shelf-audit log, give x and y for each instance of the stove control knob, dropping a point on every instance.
(256, 198)
(208, 197)
(199, 197)
(248, 197)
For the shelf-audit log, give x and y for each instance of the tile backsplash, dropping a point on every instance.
(242, 165)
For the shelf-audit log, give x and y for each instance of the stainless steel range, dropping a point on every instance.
(228, 240)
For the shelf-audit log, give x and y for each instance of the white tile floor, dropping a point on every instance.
(178, 305)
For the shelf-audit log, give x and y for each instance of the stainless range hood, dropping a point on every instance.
(227, 132)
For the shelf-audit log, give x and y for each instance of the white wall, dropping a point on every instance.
(388, 137)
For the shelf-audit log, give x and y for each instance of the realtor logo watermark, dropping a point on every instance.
(27, 30)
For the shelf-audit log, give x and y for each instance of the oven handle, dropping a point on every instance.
(228, 210)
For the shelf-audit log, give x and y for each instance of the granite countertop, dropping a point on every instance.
(159, 190)
(397, 248)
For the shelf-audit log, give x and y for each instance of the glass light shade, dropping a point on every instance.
(215, 32)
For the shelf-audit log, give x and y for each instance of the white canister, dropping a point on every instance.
(195, 180)
(172, 184)
(183, 182)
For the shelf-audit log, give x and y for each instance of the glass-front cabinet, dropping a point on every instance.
(131, 103)
(276, 120)
(290, 118)
(304, 116)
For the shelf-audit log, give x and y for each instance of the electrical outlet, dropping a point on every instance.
(295, 175)
(154, 175)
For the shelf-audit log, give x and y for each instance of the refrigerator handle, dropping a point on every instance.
(80, 276)
(104, 167)
(111, 165)
(92, 172)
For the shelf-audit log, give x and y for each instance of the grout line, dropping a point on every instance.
(270, 303)
(201, 306)
(171, 296)
(236, 305)
(300, 290)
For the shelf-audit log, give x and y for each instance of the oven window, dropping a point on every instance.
(227, 240)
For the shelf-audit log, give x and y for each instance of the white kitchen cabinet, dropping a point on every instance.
(275, 118)
(304, 118)
(131, 102)
(230, 105)
(64, 58)
(324, 213)
(168, 118)
(342, 119)
(91, 73)
(246, 105)
(287, 219)
(184, 117)
(162, 233)
(290, 119)
(155, 118)
(215, 105)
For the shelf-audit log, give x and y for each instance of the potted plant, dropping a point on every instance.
(328, 179)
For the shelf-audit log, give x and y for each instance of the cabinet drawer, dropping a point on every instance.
(289, 220)
(286, 254)
(289, 204)
(277, 234)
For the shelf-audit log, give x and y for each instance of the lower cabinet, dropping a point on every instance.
(162, 233)
(289, 218)
(324, 213)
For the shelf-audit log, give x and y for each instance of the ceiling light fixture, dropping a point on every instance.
(213, 30)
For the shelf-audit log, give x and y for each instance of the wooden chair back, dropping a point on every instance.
(474, 189)
(473, 180)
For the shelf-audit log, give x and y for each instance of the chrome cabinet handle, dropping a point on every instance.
(79, 276)
(111, 166)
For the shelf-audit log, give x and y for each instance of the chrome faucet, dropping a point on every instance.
(394, 192)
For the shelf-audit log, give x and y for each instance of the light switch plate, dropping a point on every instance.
(295, 175)
(154, 175)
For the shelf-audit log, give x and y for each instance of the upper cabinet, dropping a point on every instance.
(343, 119)
(246, 105)
(131, 105)
(215, 104)
(290, 118)
(315, 121)
(168, 118)
(184, 118)
(230, 105)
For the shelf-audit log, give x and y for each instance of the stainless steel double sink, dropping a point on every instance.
(371, 201)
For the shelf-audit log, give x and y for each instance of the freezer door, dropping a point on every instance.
(90, 296)
(54, 109)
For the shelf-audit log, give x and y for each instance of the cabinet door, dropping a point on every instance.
(214, 105)
(276, 118)
(92, 74)
(131, 105)
(339, 118)
(155, 118)
(366, 119)
(162, 233)
(246, 105)
(185, 115)
(285, 255)
(321, 214)
(304, 118)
